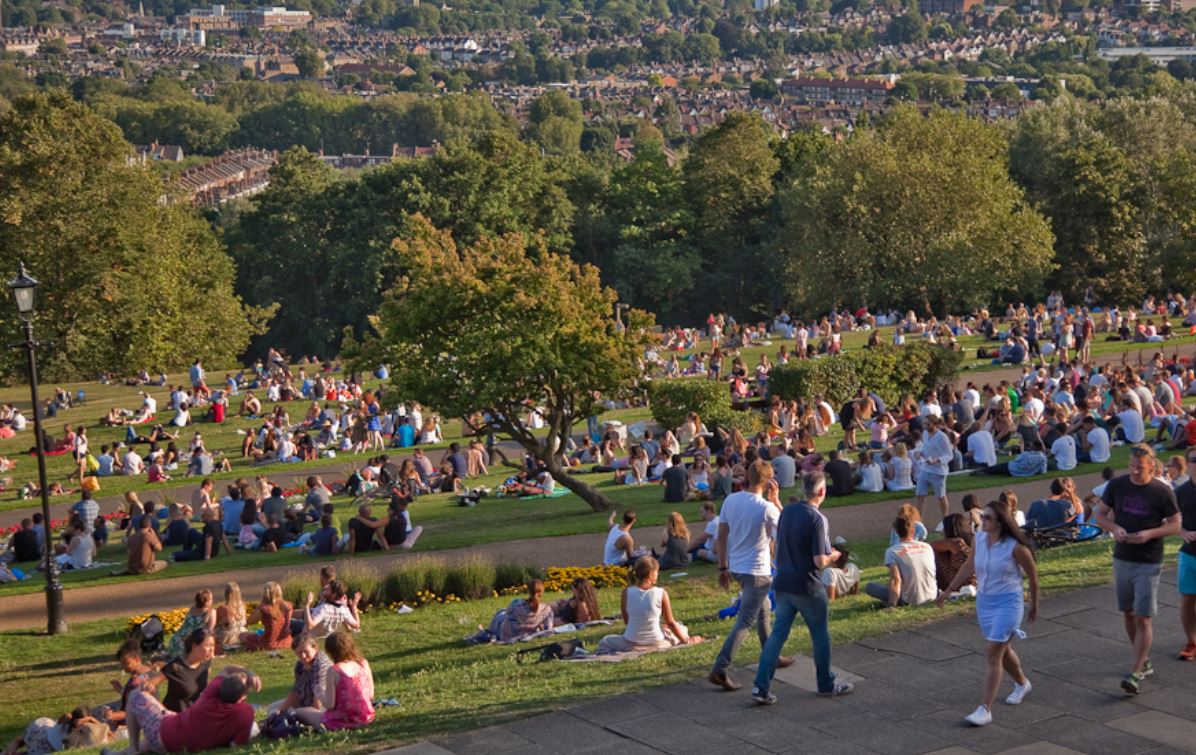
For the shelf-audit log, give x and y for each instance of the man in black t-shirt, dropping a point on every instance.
(363, 529)
(841, 476)
(1139, 511)
(1185, 496)
(24, 543)
(676, 481)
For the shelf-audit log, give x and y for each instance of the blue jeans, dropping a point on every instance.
(815, 611)
(753, 611)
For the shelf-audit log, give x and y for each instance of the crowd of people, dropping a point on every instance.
(173, 698)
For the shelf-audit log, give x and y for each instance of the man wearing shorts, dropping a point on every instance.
(937, 453)
(1185, 496)
(1139, 511)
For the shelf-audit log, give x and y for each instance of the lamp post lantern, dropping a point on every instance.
(23, 288)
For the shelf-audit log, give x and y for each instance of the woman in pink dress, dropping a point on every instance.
(349, 690)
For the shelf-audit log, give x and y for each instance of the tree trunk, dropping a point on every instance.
(588, 493)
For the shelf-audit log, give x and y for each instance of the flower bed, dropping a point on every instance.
(556, 579)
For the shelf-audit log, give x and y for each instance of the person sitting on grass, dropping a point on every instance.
(675, 543)
(952, 552)
(647, 615)
(311, 678)
(203, 544)
(911, 570)
(347, 702)
(841, 577)
(230, 619)
(364, 529)
(336, 610)
(201, 615)
(523, 617)
(131, 662)
(220, 718)
(274, 614)
(178, 526)
(580, 607)
(275, 537)
(143, 544)
(619, 549)
(79, 551)
(325, 541)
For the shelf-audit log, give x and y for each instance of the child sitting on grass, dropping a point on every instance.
(647, 614)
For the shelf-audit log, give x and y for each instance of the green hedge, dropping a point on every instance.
(890, 371)
(672, 400)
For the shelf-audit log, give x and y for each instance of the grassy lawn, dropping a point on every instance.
(443, 686)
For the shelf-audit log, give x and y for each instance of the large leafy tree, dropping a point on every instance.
(503, 326)
(128, 281)
(727, 179)
(918, 213)
(1115, 181)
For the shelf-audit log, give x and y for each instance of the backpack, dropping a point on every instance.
(149, 633)
(282, 725)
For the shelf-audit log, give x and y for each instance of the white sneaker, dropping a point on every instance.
(980, 717)
(939, 528)
(1019, 693)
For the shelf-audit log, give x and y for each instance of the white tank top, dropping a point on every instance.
(611, 554)
(643, 616)
(996, 571)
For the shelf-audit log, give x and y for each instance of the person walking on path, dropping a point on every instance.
(937, 453)
(747, 524)
(803, 551)
(1185, 497)
(1139, 510)
(1000, 556)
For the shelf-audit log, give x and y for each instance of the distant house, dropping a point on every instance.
(857, 92)
(952, 7)
(169, 153)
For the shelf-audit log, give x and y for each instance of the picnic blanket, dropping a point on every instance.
(562, 629)
(556, 493)
(629, 655)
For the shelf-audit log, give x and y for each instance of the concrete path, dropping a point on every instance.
(855, 522)
(913, 689)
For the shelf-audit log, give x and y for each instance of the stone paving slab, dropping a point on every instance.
(913, 689)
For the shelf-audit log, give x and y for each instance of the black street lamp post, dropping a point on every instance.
(22, 290)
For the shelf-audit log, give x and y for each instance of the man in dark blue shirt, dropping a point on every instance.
(803, 550)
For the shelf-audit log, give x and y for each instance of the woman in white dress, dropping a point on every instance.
(647, 614)
(1000, 556)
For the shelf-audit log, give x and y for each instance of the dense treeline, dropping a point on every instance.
(128, 281)
(934, 213)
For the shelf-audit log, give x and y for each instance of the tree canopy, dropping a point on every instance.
(504, 326)
(920, 212)
(128, 281)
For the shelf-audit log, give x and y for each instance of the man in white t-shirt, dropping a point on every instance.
(150, 403)
(937, 453)
(1095, 443)
(747, 525)
(911, 570)
(706, 547)
(1063, 450)
(982, 451)
(133, 464)
(1130, 427)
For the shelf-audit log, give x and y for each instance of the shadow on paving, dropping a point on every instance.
(913, 689)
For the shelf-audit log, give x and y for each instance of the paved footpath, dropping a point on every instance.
(854, 522)
(913, 689)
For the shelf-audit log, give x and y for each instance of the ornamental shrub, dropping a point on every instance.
(470, 579)
(890, 371)
(673, 399)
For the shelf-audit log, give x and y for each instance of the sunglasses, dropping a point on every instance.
(988, 518)
(1141, 452)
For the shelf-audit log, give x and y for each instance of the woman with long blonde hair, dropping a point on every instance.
(230, 619)
(675, 542)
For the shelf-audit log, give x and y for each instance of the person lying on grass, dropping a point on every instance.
(220, 718)
(523, 617)
(648, 615)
